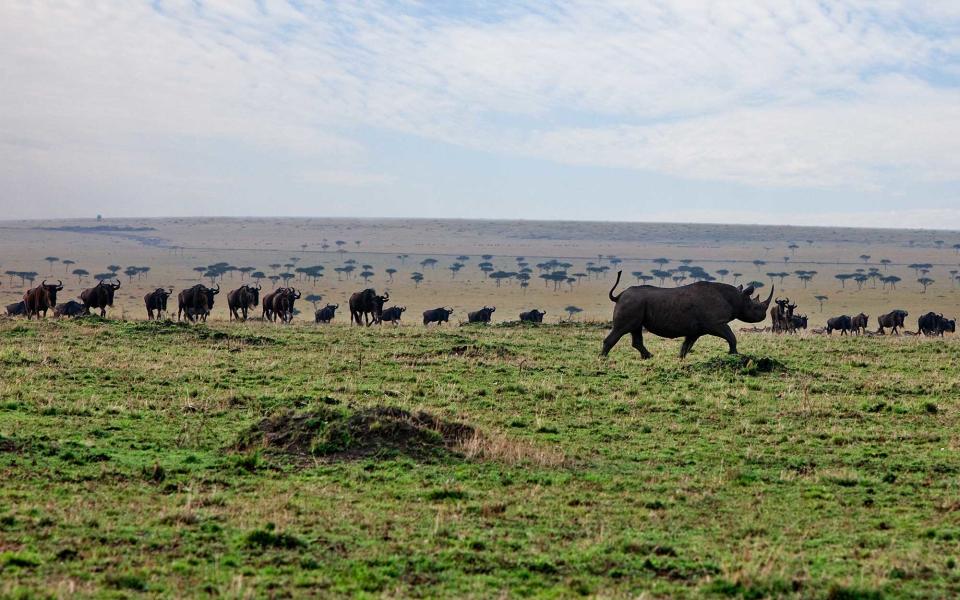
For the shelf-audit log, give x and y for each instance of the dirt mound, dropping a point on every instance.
(742, 363)
(344, 434)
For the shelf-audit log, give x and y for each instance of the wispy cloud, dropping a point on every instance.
(850, 94)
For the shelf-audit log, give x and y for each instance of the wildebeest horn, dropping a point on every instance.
(59, 285)
(217, 291)
(258, 286)
(117, 286)
(43, 283)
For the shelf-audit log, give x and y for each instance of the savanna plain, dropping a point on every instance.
(248, 459)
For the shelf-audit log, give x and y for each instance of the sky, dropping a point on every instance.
(791, 112)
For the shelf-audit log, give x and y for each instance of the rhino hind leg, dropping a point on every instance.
(688, 343)
(611, 340)
(637, 343)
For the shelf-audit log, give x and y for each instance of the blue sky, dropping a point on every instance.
(792, 112)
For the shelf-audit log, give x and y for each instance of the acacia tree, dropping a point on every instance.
(51, 260)
(723, 273)
(417, 278)
(67, 263)
(821, 300)
(390, 273)
(80, 273)
(572, 310)
(925, 281)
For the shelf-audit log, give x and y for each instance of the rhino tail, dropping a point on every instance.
(615, 284)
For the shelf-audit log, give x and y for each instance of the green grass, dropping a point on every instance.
(814, 468)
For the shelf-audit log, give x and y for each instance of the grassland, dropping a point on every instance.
(817, 468)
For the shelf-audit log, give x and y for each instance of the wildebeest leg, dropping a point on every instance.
(637, 342)
(611, 340)
(688, 343)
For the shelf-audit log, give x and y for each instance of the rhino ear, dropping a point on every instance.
(748, 291)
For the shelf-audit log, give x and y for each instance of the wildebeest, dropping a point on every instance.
(242, 299)
(367, 305)
(858, 323)
(690, 311)
(71, 308)
(195, 302)
(437, 315)
(16, 309)
(781, 315)
(326, 314)
(893, 319)
(392, 314)
(934, 324)
(41, 298)
(283, 304)
(843, 324)
(100, 296)
(157, 301)
(533, 316)
(798, 322)
(481, 316)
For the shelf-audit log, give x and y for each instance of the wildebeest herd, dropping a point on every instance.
(690, 311)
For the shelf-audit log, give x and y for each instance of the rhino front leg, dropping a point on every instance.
(724, 331)
(638, 343)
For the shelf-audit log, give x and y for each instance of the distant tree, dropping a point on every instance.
(417, 278)
(865, 258)
(486, 267)
(793, 248)
(244, 271)
(821, 300)
(429, 263)
(786, 259)
(938, 244)
(403, 257)
(885, 262)
(200, 271)
(956, 248)
(274, 279)
(390, 273)
(103, 276)
(842, 278)
(756, 284)
(80, 273)
(340, 244)
(661, 261)
(736, 277)
(314, 298)
(925, 281)
(577, 276)
(51, 260)
(131, 272)
(860, 278)
(723, 273)
(454, 269)
(661, 275)
(499, 276)
(759, 263)
(258, 275)
(465, 258)
(113, 269)
(275, 267)
(572, 310)
(890, 280)
(637, 275)
(366, 275)
(487, 257)
(67, 263)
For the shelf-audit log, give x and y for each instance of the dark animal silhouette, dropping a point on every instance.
(267, 304)
(798, 322)
(437, 315)
(690, 311)
(283, 304)
(843, 324)
(532, 316)
(892, 320)
(16, 309)
(481, 316)
(392, 314)
(71, 308)
(778, 315)
(858, 323)
(243, 299)
(156, 301)
(367, 307)
(934, 324)
(41, 298)
(195, 302)
(326, 314)
(100, 296)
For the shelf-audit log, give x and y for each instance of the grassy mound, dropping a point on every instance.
(344, 434)
(742, 363)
